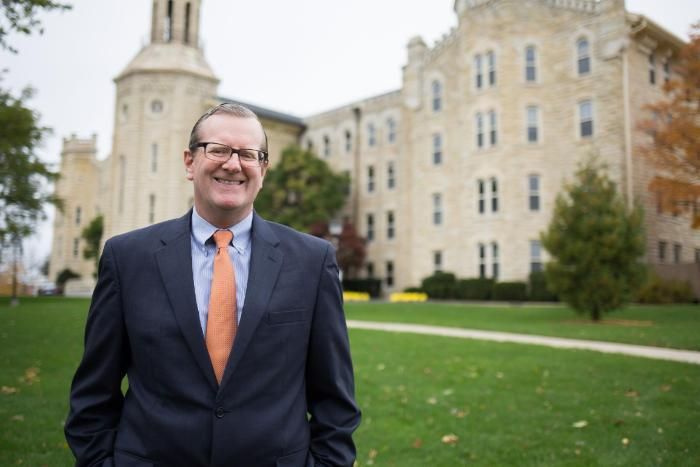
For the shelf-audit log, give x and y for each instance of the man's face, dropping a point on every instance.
(224, 193)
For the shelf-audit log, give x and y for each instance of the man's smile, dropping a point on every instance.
(229, 182)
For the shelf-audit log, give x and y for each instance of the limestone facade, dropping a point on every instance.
(456, 171)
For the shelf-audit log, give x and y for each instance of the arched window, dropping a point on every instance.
(530, 64)
(437, 96)
(583, 51)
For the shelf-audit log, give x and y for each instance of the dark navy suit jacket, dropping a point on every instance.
(287, 396)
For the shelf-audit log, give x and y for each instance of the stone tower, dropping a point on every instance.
(159, 95)
(77, 186)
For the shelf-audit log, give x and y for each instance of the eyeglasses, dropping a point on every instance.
(222, 153)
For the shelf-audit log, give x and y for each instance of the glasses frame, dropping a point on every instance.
(262, 155)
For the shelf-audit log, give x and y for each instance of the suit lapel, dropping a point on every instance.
(265, 265)
(175, 264)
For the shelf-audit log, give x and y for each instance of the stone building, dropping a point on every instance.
(457, 170)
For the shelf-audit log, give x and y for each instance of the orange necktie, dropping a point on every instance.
(222, 322)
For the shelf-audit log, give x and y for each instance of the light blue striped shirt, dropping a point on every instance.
(203, 251)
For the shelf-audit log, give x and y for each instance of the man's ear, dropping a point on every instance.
(188, 159)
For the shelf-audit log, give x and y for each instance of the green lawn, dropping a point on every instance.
(676, 326)
(505, 404)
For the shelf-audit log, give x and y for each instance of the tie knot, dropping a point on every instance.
(222, 238)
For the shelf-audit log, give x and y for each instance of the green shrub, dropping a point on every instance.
(538, 290)
(413, 290)
(660, 291)
(510, 291)
(474, 289)
(440, 285)
(370, 285)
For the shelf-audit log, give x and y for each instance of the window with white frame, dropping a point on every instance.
(478, 71)
(652, 69)
(326, 146)
(151, 208)
(493, 128)
(390, 230)
(76, 247)
(369, 233)
(532, 123)
(479, 124)
(390, 130)
(585, 112)
(348, 141)
(437, 261)
(481, 252)
(491, 61)
(370, 179)
(535, 256)
(583, 56)
(437, 95)
(78, 215)
(437, 209)
(533, 183)
(154, 157)
(390, 175)
(530, 64)
(371, 135)
(667, 70)
(494, 194)
(494, 260)
(437, 149)
(389, 273)
(481, 190)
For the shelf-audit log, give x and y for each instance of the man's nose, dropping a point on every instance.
(233, 163)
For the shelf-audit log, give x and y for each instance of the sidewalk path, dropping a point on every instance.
(659, 353)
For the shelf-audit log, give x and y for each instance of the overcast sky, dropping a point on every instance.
(300, 57)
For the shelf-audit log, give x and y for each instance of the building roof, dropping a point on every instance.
(264, 112)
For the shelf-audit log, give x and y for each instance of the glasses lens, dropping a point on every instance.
(248, 156)
(218, 152)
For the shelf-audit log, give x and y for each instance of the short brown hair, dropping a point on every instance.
(229, 108)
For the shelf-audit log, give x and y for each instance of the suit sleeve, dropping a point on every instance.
(329, 375)
(95, 398)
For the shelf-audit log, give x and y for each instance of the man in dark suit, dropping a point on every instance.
(283, 396)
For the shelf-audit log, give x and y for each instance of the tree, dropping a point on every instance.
(674, 129)
(92, 234)
(64, 276)
(23, 177)
(20, 16)
(352, 250)
(595, 244)
(301, 191)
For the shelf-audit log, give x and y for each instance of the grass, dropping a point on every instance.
(675, 326)
(506, 404)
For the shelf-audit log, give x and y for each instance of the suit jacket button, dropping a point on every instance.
(219, 412)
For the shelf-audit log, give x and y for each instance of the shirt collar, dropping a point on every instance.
(203, 230)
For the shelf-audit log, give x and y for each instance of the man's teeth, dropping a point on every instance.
(229, 182)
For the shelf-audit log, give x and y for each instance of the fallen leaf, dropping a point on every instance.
(659, 430)
(625, 441)
(381, 367)
(427, 371)
(499, 375)
(31, 376)
(447, 392)
(666, 387)
(618, 422)
(431, 400)
(450, 439)
(17, 418)
(631, 393)
(373, 453)
(417, 443)
(580, 424)
(8, 390)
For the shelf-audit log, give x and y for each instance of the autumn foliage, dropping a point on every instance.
(674, 128)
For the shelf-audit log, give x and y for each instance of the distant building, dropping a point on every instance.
(456, 171)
